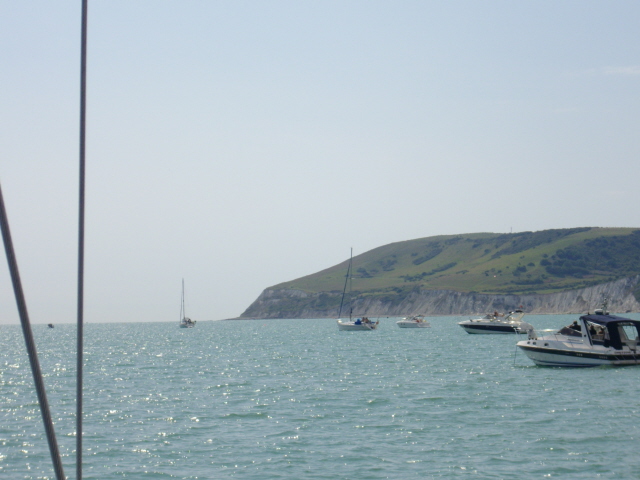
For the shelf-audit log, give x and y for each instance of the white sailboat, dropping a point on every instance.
(185, 322)
(362, 323)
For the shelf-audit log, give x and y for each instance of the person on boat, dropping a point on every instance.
(366, 320)
(358, 322)
(575, 326)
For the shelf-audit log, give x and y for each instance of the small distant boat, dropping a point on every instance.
(591, 341)
(496, 323)
(417, 321)
(185, 322)
(359, 323)
(50, 325)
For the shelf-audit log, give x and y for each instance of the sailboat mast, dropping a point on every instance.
(350, 283)
(182, 312)
(81, 201)
(346, 280)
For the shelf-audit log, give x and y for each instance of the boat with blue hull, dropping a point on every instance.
(497, 323)
(591, 341)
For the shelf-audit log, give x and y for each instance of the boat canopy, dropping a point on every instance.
(606, 319)
(618, 334)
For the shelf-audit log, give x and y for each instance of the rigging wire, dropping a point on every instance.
(80, 329)
(31, 346)
(19, 294)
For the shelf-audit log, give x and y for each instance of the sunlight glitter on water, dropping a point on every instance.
(298, 399)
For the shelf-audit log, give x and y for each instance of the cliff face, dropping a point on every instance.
(290, 303)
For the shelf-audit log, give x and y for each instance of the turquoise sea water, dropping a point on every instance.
(285, 399)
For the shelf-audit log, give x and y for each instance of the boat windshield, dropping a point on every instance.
(573, 330)
(628, 332)
(596, 331)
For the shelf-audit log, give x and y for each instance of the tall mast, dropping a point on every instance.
(350, 282)
(80, 329)
(346, 279)
(182, 312)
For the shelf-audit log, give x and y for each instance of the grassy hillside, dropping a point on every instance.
(518, 263)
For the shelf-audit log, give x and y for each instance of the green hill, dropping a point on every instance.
(518, 263)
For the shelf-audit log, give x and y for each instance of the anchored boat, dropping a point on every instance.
(185, 322)
(495, 323)
(417, 321)
(590, 341)
(359, 323)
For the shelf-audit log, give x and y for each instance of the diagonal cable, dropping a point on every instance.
(28, 338)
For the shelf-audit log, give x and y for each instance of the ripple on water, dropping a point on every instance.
(278, 399)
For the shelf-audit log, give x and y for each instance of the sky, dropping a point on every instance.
(241, 144)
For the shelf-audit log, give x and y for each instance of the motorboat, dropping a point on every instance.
(417, 321)
(358, 324)
(497, 323)
(592, 340)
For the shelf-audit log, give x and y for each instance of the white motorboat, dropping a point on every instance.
(417, 321)
(496, 323)
(591, 341)
(185, 322)
(358, 324)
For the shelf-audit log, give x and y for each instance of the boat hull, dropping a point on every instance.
(402, 324)
(480, 328)
(552, 357)
(187, 323)
(352, 326)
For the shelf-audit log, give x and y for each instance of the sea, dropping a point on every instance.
(298, 399)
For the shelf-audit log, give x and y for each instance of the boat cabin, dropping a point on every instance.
(606, 330)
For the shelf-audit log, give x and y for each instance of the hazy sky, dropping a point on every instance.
(240, 144)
